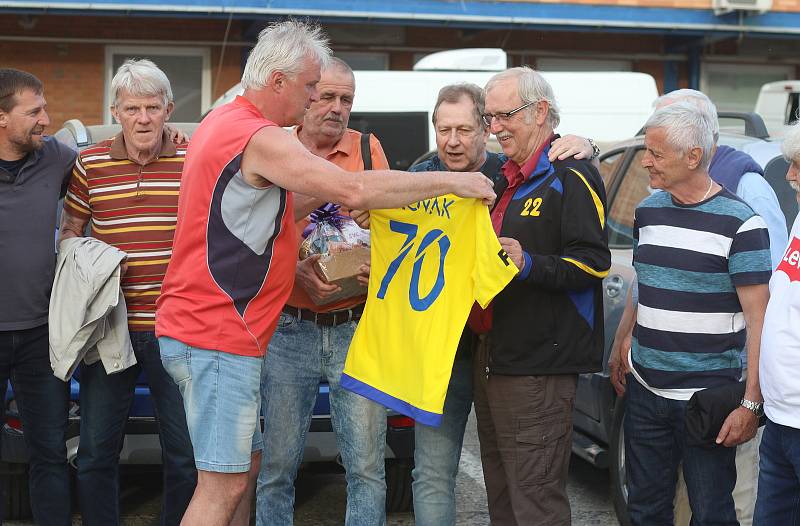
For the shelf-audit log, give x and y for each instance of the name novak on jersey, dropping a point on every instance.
(441, 206)
(437, 205)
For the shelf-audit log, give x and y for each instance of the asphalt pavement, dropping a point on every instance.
(320, 494)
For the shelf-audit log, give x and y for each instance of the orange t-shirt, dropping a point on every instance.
(347, 156)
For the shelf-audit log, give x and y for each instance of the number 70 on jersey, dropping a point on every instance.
(410, 230)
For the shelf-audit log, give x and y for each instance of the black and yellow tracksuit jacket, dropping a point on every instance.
(549, 320)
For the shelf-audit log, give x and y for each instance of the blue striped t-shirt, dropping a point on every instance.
(689, 259)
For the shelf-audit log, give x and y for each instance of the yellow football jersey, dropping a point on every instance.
(430, 261)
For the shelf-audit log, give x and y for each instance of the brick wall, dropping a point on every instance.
(74, 72)
(71, 60)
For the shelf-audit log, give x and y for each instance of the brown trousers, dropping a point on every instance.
(525, 432)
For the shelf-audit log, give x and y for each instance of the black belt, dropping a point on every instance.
(328, 319)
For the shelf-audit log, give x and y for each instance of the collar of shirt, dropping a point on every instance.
(120, 153)
(30, 158)
(10, 169)
(344, 146)
(538, 164)
(437, 165)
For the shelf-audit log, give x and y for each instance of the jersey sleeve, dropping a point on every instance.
(493, 268)
(76, 202)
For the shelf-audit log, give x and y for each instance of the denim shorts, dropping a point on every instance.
(222, 399)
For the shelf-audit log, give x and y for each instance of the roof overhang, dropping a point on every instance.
(473, 14)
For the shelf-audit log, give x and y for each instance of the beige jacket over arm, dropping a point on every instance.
(88, 319)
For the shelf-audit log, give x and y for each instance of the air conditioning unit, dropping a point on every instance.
(727, 6)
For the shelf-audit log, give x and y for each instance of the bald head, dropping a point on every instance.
(337, 65)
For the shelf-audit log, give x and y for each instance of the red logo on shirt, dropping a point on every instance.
(790, 264)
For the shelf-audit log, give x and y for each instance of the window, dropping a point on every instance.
(635, 186)
(361, 61)
(735, 87)
(793, 108)
(188, 71)
(609, 166)
(404, 136)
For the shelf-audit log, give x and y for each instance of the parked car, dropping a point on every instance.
(779, 104)
(141, 444)
(598, 436)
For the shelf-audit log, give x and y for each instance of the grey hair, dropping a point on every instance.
(687, 127)
(140, 78)
(791, 143)
(335, 63)
(452, 93)
(531, 87)
(698, 98)
(284, 46)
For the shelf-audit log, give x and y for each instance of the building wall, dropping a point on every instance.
(68, 54)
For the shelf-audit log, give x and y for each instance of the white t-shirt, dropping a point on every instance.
(779, 365)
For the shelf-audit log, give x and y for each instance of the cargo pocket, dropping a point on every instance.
(541, 440)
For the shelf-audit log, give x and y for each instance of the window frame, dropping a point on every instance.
(709, 67)
(623, 171)
(147, 51)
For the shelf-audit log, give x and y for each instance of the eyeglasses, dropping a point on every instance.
(503, 116)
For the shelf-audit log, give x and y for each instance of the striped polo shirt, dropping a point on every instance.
(689, 259)
(134, 208)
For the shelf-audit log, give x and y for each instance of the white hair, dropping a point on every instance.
(531, 87)
(284, 46)
(687, 127)
(698, 98)
(791, 143)
(140, 78)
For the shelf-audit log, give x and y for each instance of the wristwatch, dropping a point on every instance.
(756, 407)
(595, 149)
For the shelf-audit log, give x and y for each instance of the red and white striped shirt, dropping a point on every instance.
(134, 208)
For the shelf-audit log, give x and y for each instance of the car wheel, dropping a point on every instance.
(398, 485)
(16, 492)
(619, 482)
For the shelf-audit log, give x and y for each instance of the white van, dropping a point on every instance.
(778, 104)
(396, 105)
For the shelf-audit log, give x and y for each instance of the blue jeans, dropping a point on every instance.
(655, 443)
(105, 401)
(299, 354)
(437, 451)
(42, 402)
(778, 501)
